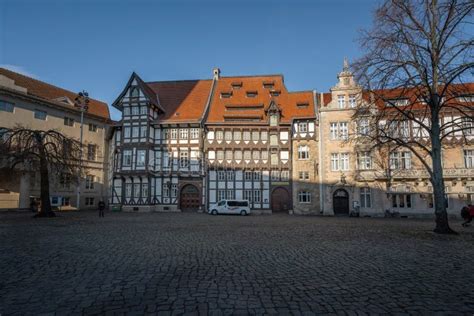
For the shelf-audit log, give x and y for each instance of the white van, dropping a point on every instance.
(230, 207)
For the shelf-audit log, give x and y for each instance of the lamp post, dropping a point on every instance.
(81, 102)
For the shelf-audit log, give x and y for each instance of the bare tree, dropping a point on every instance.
(416, 68)
(49, 152)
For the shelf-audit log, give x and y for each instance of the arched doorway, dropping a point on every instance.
(189, 198)
(340, 202)
(280, 200)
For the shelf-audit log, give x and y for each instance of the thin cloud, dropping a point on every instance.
(19, 69)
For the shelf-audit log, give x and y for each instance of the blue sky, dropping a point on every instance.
(95, 45)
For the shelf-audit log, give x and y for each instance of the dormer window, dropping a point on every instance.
(397, 102)
(252, 94)
(275, 93)
(274, 119)
(268, 84)
(226, 94)
(302, 105)
(236, 84)
(134, 93)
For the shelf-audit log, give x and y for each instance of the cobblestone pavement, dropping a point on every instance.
(202, 264)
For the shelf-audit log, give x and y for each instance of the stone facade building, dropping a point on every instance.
(37, 105)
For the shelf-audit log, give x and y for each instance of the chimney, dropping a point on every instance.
(217, 73)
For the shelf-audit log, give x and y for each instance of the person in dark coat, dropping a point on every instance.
(101, 208)
(467, 213)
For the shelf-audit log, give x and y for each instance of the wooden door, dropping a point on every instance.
(189, 198)
(340, 202)
(280, 200)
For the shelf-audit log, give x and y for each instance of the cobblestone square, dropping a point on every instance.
(188, 263)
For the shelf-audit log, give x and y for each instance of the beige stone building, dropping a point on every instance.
(35, 104)
(355, 178)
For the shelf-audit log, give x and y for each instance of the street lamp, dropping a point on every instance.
(81, 102)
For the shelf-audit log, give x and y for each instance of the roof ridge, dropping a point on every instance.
(254, 76)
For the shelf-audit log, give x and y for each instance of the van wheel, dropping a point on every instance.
(214, 212)
(243, 213)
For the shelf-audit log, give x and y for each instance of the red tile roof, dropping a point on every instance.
(50, 93)
(182, 100)
(242, 107)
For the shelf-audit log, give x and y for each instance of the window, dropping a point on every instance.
(145, 190)
(143, 110)
(400, 160)
(128, 190)
(166, 134)
(252, 94)
(363, 127)
(126, 132)
(256, 155)
(237, 135)
(364, 160)
(174, 190)
(248, 195)
(256, 196)
(6, 106)
(194, 133)
(230, 194)
(89, 181)
(221, 175)
(238, 155)
(404, 129)
(264, 135)
(397, 102)
(246, 135)
(183, 133)
(273, 140)
(264, 155)
(401, 200)
(343, 130)
(134, 93)
(40, 115)
(341, 101)
(228, 154)
(166, 190)
(365, 198)
(339, 130)
(303, 175)
(228, 135)
(247, 155)
(174, 133)
(248, 175)
(304, 197)
(257, 175)
(285, 175)
(303, 127)
(92, 127)
(135, 131)
(126, 111)
(65, 180)
(136, 190)
(91, 152)
(135, 110)
(220, 155)
(226, 95)
(274, 159)
(66, 201)
(89, 201)
(230, 175)
(141, 158)
(68, 121)
(220, 195)
(469, 158)
(255, 135)
(334, 130)
(340, 162)
(143, 130)
(127, 158)
(275, 175)
(352, 100)
(468, 125)
(303, 152)
(273, 119)
(219, 135)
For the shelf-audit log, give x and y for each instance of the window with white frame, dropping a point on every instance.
(143, 131)
(230, 175)
(143, 110)
(303, 175)
(341, 101)
(256, 155)
(183, 159)
(238, 155)
(352, 100)
(89, 181)
(91, 152)
(400, 160)
(126, 111)
(128, 190)
(363, 127)
(127, 158)
(248, 175)
(194, 133)
(273, 119)
(174, 133)
(237, 135)
(126, 132)
(135, 131)
(304, 197)
(275, 175)
(220, 155)
(248, 195)
(220, 135)
(264, 136)
(334, 130)
(166, 190)
(255, 135)
(230, 194)
(303, 152)
(135, 110)
(183, 133)
(274, 159)
(469, 158)
(228, 155)
(246, 135)
(364, 160)
(174, 190)
(468, 126)
(141, 158)
(144, 190)
(343, 130)
(397, 102)
(228, 135)
(247, 155)
(404, 129)
(339, 130)
(257, 175)
(220, 195)
(303, 127)
(273, 140)
(221, 175)
(285, 175)
(264, 155)
(365, 197)
(257, 196)
(339, 161)
(401, 200)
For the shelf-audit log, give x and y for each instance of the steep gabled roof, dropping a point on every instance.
(252, 96)
(54, 94)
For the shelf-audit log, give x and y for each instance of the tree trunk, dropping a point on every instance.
(46, 210)
(442, 225)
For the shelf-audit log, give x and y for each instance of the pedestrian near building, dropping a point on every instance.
(467, 213)
(101, 208)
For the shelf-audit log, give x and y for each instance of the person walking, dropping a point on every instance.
(101, 208)
(467, 213)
